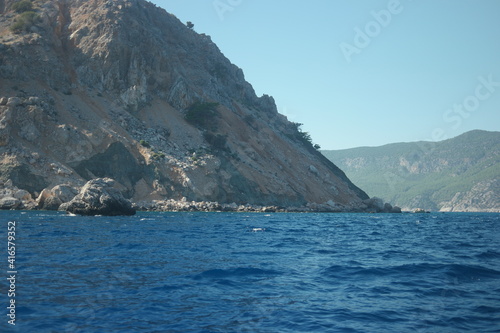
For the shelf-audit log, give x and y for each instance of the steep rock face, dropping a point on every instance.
(103, 89)
(482, 197)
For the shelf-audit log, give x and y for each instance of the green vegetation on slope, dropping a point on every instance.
(422, 174)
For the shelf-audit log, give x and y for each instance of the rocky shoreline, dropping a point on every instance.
(101, 197)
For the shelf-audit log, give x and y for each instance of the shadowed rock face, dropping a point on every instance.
(99, 197)
(23, 177)
(103, 88)
(115, 162)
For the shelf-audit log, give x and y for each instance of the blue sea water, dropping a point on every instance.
(240, 272)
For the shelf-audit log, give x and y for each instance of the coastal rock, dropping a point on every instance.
(64, 192)
(99, 197)
(52, 198)
(48, 201)
(13, 101)
(12, 197)
(482, 197)
(396, 209)
(7, 203)
(377, 205)
(22, 195)
(51, 203)
(171, 205)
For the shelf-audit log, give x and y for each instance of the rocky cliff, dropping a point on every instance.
(482, 197)
(123, 89)
(459, 174)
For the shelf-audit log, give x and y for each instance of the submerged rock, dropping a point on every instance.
(99, 197)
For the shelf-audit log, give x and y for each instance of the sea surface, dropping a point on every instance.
(241, 272)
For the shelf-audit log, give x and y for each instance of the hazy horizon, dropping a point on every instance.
(416, 141)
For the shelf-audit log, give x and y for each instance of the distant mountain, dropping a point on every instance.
(123, 89)
(459, 174)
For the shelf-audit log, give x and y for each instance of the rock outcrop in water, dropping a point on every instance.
(122, 89)
(99, 197)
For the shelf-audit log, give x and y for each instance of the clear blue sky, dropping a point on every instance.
(364, 73)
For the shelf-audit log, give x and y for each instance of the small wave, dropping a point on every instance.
(324, 251)
(422, 269)
(167, 287)
(472, 272)
(382, 290)
(386, 316)
(298, 230)
(463, 244)
(257, 253)
(446, 290)
(487, 310)
(128, 246)
(490, 254)
(24, 310)
(236, 272)
(340, 272)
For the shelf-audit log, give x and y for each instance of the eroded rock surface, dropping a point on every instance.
(99, 197)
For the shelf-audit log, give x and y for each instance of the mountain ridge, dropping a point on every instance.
(448, 175)
(96, 89)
